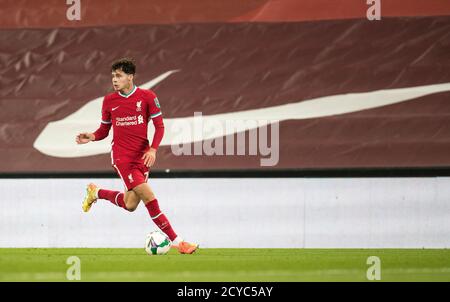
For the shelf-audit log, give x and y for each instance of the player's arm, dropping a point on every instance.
(101, 132)
(150, 156)
(156, 116)
(158, 123)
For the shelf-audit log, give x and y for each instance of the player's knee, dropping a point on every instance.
(130, 204)
(131, 208)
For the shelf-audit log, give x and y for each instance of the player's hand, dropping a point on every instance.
(84, 138)
(149, 157)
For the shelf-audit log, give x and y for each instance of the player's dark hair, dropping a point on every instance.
(126, 65)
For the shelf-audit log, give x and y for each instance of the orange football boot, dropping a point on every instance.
(186, 247)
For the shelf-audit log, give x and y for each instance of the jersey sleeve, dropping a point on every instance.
(159, 131)
(154, 111)
(106, 113)
(105, 124)
(153, 105)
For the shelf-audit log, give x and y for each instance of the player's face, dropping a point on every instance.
(121, 80)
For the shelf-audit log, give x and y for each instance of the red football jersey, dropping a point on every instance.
(129, 116)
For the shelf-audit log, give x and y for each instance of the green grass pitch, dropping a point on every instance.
(121, 264)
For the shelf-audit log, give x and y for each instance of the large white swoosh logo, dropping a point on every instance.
(57, 138)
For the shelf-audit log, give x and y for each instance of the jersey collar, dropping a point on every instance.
(131, 92)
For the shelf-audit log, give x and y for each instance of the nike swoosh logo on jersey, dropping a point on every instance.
(306, 109)
(115, 108)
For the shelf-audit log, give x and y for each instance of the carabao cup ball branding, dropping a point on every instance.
(157, 243)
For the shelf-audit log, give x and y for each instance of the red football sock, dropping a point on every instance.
(115, 197)
(160, 219)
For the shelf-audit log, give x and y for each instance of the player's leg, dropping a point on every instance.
(146, 194)
(128, 200)
(131, 200)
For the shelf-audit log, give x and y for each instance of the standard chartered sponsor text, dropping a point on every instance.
(126, 121)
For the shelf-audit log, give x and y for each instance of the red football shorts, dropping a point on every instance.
(131, 173)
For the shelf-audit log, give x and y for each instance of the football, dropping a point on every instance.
(157, 243)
